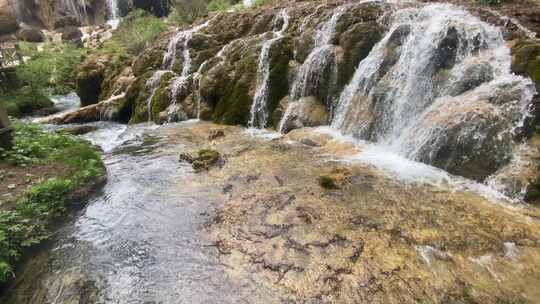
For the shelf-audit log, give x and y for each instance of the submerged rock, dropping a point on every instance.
(205, 159)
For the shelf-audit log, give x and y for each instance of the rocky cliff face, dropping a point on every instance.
(50, 14)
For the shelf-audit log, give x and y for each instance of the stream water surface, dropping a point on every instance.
(139, 240)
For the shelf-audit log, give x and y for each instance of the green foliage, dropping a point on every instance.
(52, 69)
(259, 3)
(218, 5)
(188, 11)
(28, 224)
(136, 32)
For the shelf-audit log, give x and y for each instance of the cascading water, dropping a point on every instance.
(183, 37)
(114, 13)
(439, 80)
(313, 74)
(258, 113)
(153, 84)
(77, 9)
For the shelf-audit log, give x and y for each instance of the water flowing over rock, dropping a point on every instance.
(259, 112)
(318, 74)
(438, 89)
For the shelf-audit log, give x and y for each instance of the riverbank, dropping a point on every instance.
(43, 177)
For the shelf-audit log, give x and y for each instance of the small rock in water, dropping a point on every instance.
(335, 179)
(206, 159)
(214, 134)
(184, 157)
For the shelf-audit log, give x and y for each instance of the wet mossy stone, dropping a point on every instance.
(526, 60)
(206, 159)
(234, 103)
(278, 83)
(137, 97)
(161, 99)
(357, 42)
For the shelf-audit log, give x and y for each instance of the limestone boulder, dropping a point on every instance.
(306, 112)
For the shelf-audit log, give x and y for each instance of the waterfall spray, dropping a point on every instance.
(259, 113)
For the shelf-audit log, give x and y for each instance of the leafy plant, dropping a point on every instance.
(136, 32)
(28, 224)
(218, 5)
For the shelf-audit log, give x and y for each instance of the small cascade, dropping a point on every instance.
(114, 13)
(183, 38)
(153, 84)
(437, 85)
(77, 9)
(318, 73)
(177, 84)
(259, 113)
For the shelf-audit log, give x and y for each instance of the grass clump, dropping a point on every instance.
(137, 31)
(28, 222)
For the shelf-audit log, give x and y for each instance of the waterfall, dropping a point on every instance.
(184, 37)
(114, 13)
(74, 7)
(153, 84)
(259, 113)
(439, 78)
(313, 73)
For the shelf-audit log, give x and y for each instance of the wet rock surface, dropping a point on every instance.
(372, 239)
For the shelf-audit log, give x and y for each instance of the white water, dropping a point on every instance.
(183, 37)
(312, 74)
(114, 13)
(406, 111)
(153, 84)
(259, 112)
(78, 9)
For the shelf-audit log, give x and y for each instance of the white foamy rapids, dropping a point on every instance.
(437, 70)
(409, 171)
(67, 102)
(314, 70)
(259, 113)
(153, 84)
(182, 38)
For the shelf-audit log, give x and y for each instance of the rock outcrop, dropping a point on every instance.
(8, 17)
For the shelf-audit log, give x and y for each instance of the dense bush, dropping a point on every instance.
(29, 222)
(49, 70)
(136, 32)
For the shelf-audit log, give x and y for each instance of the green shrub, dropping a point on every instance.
(188, 11)
(218, 5)
(135, 33)
(28, 224)
(51, 70)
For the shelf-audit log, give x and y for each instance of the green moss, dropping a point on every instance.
(234, 106)
(278, 84)
(328, 182)
(161, 99)
(526, 60)
(137, 97)
(233, 99)
(357, 43)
